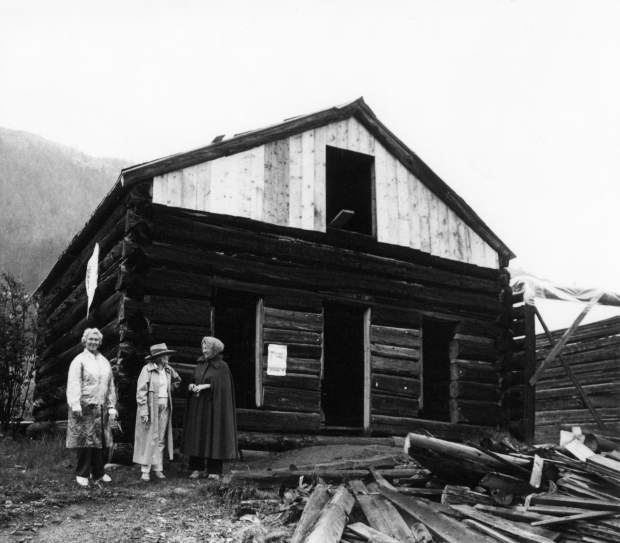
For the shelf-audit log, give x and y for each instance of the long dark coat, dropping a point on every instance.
(210, 429)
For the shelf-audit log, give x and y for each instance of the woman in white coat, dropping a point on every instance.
(91, 398)
(153, 431)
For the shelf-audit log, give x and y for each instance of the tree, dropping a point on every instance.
(18, 333)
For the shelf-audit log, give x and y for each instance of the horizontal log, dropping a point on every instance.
(473, 370)
(177, 334)
(267, 478)
(282, 399)
(587, 372)
(589, 350)
(385, 425)
(390, 351)
(585, 332)
(277, 421)
(306, 366)
(608, 388)
(298, 302)
(395, 366)
(100, 314)
(473, 350)
(391, 335)
(395, 385)
(576, 416)
(262, 441)
(171, 282)
(575, 401)
(292, 320)
(176, 310)
(391, 405)
(275, 335)
(474, 391)
(475, 412)
(283, 273)
(312, 248)
(292, 380)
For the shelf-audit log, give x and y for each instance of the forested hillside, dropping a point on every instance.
(47, 192)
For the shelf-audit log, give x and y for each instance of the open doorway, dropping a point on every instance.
(349, 190)
(342, 392)
(234, 322)
(436, 338)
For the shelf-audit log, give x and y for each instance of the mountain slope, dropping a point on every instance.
(47, 192)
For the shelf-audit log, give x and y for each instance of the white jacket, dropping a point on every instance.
(90, 381)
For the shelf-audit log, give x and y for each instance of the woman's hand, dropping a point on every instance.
(144, 419)
(77, 412)
(191, 387)
(113, 413)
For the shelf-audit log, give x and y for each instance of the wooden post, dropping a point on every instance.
(564, 339)
(529, 395)
(258, 353)
(367, 387)
(582, 393)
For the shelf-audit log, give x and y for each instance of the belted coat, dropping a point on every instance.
(147, 435)
(210, 429)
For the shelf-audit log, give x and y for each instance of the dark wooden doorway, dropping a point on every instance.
(342, 391)
(437, 336)
(234, 323)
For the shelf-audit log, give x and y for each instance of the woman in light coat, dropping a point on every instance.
(91, 398)
(153, 416)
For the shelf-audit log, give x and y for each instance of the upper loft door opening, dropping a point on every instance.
(235, 324)
(350, 191)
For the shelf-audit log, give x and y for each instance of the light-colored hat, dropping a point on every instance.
(212, 345)
(158, 349)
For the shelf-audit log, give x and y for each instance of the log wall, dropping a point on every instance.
(161, 268)
(593, 354)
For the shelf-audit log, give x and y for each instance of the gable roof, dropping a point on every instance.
(357, 109)
(247, 140)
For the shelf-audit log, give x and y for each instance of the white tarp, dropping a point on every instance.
(534, 287)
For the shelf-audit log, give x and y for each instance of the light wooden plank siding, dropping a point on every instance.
(283, 182)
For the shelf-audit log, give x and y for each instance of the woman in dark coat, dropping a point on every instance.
(210, 423)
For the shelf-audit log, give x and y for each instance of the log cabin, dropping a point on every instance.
(354, 290)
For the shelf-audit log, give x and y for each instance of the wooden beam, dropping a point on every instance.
(571, 375)
(258, 352)
(564, 339)
(367, 368)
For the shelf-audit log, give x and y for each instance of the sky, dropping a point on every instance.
(514, 103)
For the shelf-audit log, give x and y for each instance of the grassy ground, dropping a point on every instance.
(40, 501)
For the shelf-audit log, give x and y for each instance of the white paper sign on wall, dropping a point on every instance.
(276, 359)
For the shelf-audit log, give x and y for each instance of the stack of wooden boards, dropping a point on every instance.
(463, 493)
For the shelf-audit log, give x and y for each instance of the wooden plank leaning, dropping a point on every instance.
(582, 393)
(565, 337)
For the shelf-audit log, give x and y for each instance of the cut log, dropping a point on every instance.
(361, 530)
(489, 531)
(381, 514)
(333, 518)
(521, 530)
(459, 495)
(282, 442)
(317, 500)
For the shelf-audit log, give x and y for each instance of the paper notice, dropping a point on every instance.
(276, 359)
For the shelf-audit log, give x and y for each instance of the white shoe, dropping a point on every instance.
(106, 478)
(159, 474)
(145, 477)
(82, 481)
(194, 474)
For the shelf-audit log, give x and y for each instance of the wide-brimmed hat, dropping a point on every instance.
(159, 349)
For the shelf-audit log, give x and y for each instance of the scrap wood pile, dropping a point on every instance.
(480, 494)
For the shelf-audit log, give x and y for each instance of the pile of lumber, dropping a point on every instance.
(480, 494)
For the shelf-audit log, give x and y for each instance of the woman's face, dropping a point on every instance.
(162, 360)
(92, 343)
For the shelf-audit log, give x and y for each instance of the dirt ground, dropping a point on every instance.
(48, 506)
